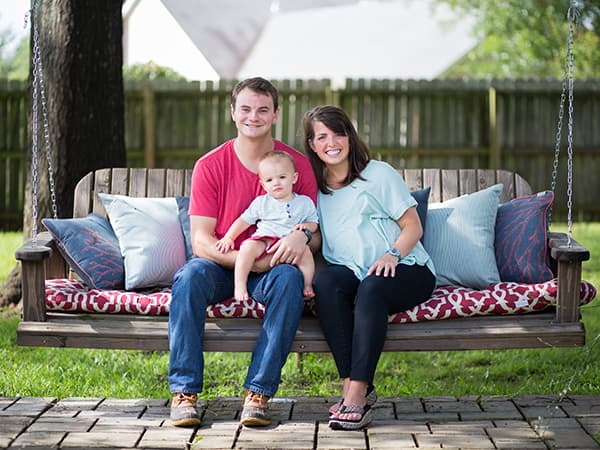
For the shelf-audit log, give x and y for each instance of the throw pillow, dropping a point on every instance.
(460, 239)
(422, 198)
(149, 236)
(521, 239)
(90, 247)
(183, 204)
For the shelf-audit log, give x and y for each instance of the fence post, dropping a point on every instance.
(332, 95)
(149, 128)
(494, 156)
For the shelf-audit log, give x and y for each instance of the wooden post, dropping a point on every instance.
(149, 127)
(494, 160)
(567, 297)
(33, 260)
(569, 259)
(332, 94)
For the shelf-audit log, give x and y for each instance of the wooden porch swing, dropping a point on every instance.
(41, 261)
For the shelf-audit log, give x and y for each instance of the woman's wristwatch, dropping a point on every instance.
(394, 252)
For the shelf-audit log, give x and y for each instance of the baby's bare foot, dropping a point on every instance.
(241, 294)
(308, 292)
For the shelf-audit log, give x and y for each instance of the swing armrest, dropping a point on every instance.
(38, 261)
(557, 242)
(568, 272)
(29, 252)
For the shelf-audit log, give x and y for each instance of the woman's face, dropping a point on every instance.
(330, 147)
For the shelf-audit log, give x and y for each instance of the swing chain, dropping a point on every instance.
(567, 88)
(39, 91)
(34, 141)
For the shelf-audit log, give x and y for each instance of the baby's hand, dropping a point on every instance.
(300, 227)
(224, 244)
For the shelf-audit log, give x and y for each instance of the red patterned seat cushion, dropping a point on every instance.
(450, 302)
(447, 302)
(70, 295)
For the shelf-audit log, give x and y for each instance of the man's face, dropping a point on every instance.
(253, 114)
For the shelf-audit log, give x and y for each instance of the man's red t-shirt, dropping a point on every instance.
(222, 187)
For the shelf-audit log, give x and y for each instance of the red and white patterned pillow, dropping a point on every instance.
(447, 302)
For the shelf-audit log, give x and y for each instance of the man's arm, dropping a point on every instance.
(290, 248)
(310, 226)
(202, 231)
(227, 242)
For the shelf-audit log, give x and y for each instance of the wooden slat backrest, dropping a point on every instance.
(445, 184)
(451, 183)
(136, 182)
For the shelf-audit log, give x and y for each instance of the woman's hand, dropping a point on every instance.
(386, 266)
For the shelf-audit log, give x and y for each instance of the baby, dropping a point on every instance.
(276, 214)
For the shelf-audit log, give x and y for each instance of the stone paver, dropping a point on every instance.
(489, 422)
(167, 437)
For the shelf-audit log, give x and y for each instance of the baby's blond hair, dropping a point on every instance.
(277, 155)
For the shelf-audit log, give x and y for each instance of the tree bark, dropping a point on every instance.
(82, 62)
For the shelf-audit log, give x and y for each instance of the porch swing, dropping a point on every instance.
(61, 310)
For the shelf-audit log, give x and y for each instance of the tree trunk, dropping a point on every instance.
(82, 59)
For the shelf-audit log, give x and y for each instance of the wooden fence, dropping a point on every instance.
(507, 124)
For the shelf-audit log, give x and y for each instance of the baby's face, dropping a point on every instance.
(277, 177)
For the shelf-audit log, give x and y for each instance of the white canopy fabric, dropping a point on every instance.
(303, 38)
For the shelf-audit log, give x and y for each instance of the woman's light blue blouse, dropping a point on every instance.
(358, 221)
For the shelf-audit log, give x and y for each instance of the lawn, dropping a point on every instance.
(126, 374)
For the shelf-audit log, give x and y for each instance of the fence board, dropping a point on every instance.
(410, 123)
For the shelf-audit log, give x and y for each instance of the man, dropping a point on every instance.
(224, 182)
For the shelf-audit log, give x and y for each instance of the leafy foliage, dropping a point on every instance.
(528, 38)
(150, 71)
(9, 242)
(13, 65)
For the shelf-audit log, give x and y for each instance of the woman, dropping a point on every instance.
(377, 265)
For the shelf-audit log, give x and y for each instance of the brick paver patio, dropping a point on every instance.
(528, 422)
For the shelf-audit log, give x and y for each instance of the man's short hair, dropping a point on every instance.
(258, 85)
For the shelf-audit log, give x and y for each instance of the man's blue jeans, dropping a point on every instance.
(201, 282)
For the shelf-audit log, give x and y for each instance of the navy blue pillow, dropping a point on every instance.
(520, 239)
(422, 198)
(91, 248)
(183, 204)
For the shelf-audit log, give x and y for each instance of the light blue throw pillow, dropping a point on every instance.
(149, 236)
(459, 237)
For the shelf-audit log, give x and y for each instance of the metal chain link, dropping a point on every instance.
(567, 86)
(39, 92)
(570, 125)
(559, 126)
(46, 126)
(34, 136)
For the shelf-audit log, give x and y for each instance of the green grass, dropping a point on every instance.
(9, 242)
(129, 374)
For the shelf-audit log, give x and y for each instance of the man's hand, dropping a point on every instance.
(288, 250)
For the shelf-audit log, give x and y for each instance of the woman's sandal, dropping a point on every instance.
(365, 416)
(371, 399)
